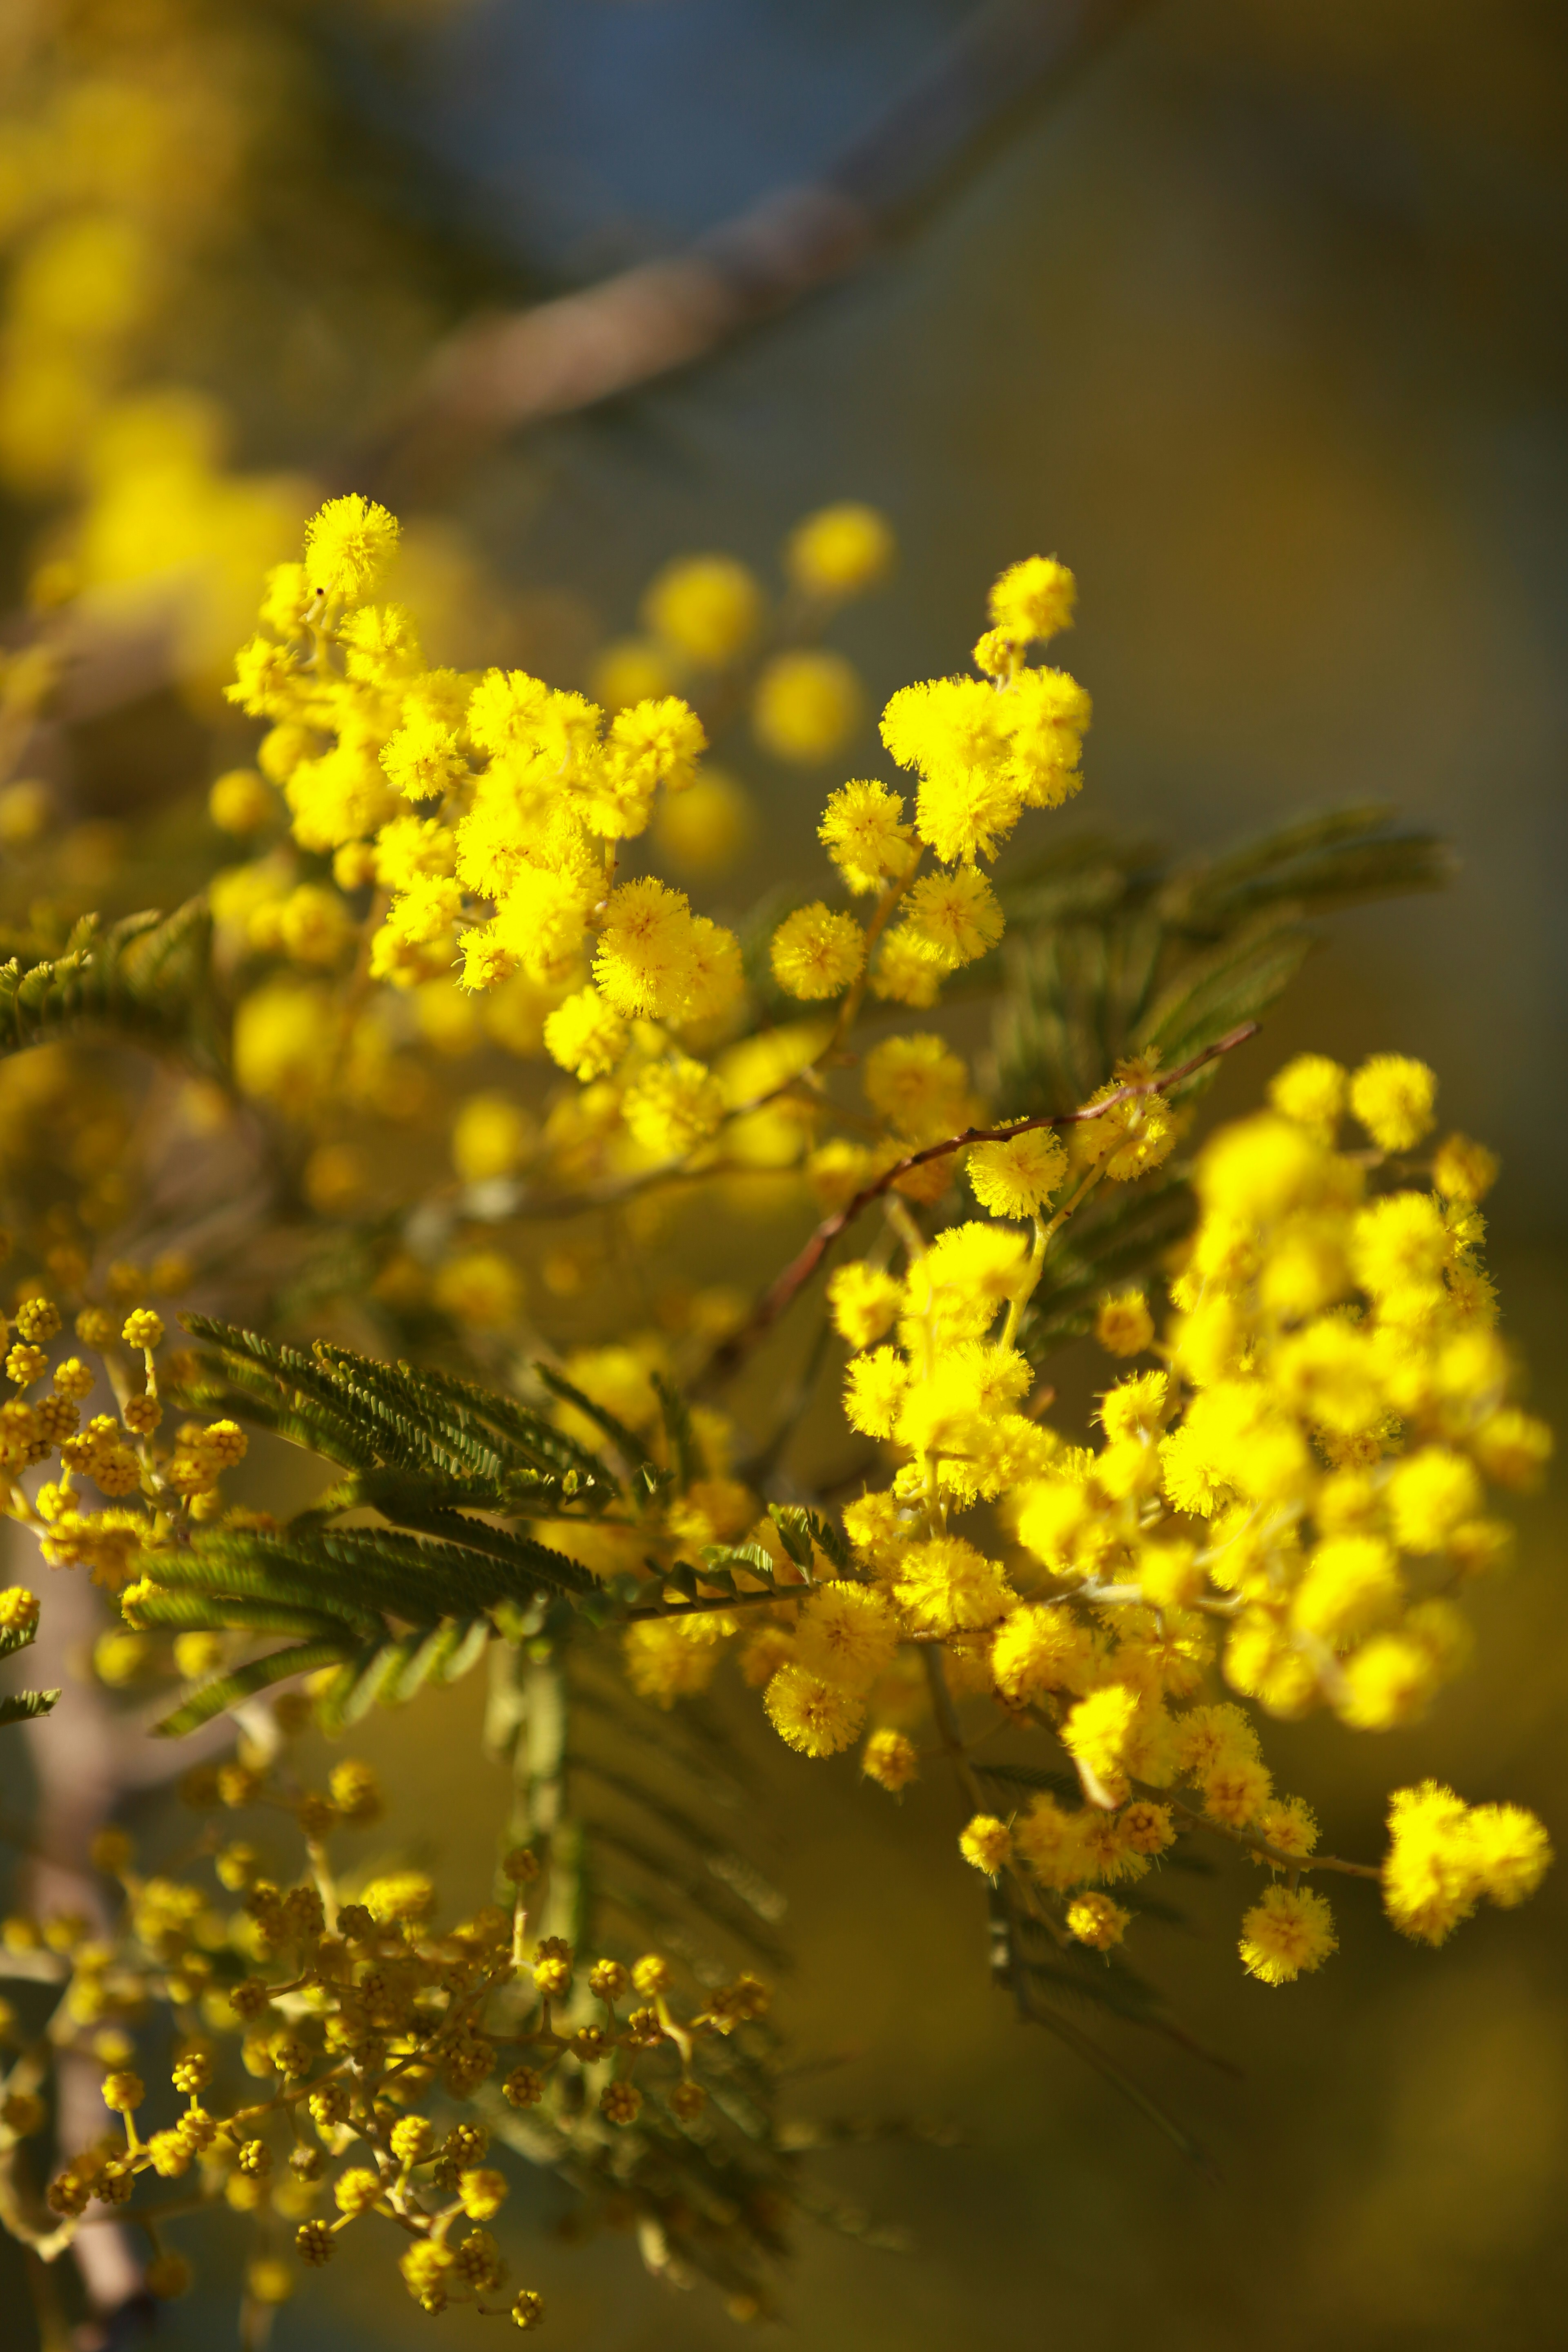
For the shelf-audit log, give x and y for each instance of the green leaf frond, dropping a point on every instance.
(22, 1706)
(1113, 949)
(144, 979)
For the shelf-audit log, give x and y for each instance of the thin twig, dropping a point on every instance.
(802, 1267)
(1276, 1854)
(499, 375)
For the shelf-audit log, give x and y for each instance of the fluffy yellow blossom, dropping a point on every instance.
(1034, 599)
(1392, 1098)
(673, 1106)
(348, 546)
(675, 1659)
(491, 1135)
(241, 801)
(952, 918)
(1463, 1169)
(846, 1635)
(1311, 1091)
(1040, 1648)
(813, 1716)
(646, 952)
(478, 1288)
(986, 1844)
(585, 1035)
(865, 1302)
(839, 550)
(1430, 1492)
(816, 953)
(423, 758)
(891, 1760)
(919, 1084)
(1287, 1931)
(1100, 1729)
(1096, 1920)
(864, 833)
(946, 1586)
(1016, 1178)
(1445, 1856)
(708, 607)
(1122, 1323)
(874, 1388)
(806, 705)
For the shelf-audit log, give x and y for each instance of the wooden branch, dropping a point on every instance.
(801, 1268)
(499, 374)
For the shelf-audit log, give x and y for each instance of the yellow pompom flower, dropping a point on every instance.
(846, 1635)
(891, 1760)
(424, 759)
(1392, 1098)
(647, 952)
(708, 607)
(918, 1084)
(490, 1136)
(1261, 1169)
(1033, 600)
(806, 705)
(1098, 1730)
(1352, 1585)
(241, 801)
(948, 1587)
(629, 670)
(1429, 1878)
(954, 918)
(1310, 1090)
(348, 545)
(1122, 1325)
(1464, 1170)
(481, 1288)
(1096, 1920)
(1016, 1178)
(673, 1106)
(1510, 1853)
(813, 1717)
(864, 833)
(1287, 1931)
(1389, 1680)
(816, 953)
(659, 739)
(840, 550)
(676, 1659)
(541, 923)
(1399, 1243)
(483, 2192)
(1430, 1492)
(985, 1844)
(874, 1388)
(864, 1301)
(283, 1046)
(904, 973)
(1039, 1648)
(585, 1035)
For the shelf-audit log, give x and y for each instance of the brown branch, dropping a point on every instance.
(496, 374)
(801, 1268)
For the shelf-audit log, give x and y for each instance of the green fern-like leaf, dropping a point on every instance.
(23, 1706)
(145, 978)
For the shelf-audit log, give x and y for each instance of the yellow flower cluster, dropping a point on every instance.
(351, 2016)
(485, 815)
(1293, 1495)
(155, 1487)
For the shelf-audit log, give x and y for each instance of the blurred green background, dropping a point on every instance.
(1261, 326)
